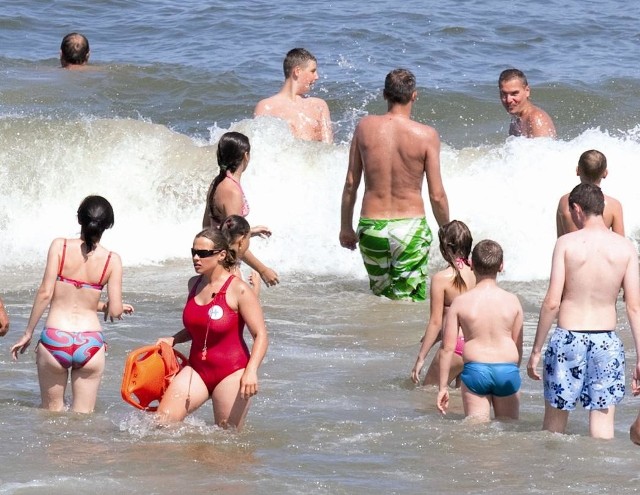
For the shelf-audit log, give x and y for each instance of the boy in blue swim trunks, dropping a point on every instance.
(584, 359)
(491, 321)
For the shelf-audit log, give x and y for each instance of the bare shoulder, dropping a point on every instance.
(612, 202)
(631, 247)
(563, 203)
(567, 240)
(192, 282)
(541, 124)
(115, 257)
(421, 130)
(57, 242)
(512, 299)
(266, 105)
(442, 278)
(316, 102)
(241, 289)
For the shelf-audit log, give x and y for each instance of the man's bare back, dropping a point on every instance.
(395, 153)
(594, 264)
(588, 269)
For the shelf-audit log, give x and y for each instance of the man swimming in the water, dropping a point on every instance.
(527, 119)
(394, 153)
(74, 51)
(491, 322)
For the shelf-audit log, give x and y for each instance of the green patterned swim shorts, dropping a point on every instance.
(395, 255)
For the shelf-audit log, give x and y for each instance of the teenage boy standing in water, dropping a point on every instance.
(592, 168)
(527, 119)
(584, 359)
(394, 153)
(308, 117)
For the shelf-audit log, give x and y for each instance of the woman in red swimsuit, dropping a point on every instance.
(226, 197)
(71, 342)
(221, 367)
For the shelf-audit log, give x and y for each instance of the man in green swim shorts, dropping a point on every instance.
(394, 153)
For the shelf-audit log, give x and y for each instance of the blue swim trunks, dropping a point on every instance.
(583, 365)
(499, 379)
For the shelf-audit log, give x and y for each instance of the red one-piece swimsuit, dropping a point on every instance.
(218, 348)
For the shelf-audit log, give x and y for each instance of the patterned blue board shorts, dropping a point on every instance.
(583, 365)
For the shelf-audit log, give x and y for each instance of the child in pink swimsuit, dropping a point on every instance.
(455, 247)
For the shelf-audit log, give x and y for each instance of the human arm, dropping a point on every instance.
(267, 274)
(560, 227)
(251, 311)
(4, 319)
(549, 309)
(541, 125)
(326, 129)
(114, 289)
(262, 108)
(42, 299)
(348, 237)
(103, 307)
(437, 195)
(255, 282)
(260, 231)
(631, 286)
(178, 338)
(434, 327)
(517, 329)
(449, 337)
(618, 223)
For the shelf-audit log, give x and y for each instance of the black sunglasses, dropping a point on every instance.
(205, 253)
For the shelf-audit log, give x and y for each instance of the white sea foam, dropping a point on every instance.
(157, 179)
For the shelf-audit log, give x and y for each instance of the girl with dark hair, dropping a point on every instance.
(238, 234)
(71, 342)
(221, 367)
(226, 197)
(455, 247)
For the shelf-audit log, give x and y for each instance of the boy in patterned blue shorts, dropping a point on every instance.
(584, 360)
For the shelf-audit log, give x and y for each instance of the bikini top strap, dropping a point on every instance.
(64, 252)
(106, 265)
(233, 179)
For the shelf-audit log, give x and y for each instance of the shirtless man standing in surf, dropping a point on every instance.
(527, 119)
(308, 117)
(394, 153)
(585, 360)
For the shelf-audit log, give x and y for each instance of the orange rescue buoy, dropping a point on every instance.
(148, 372)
